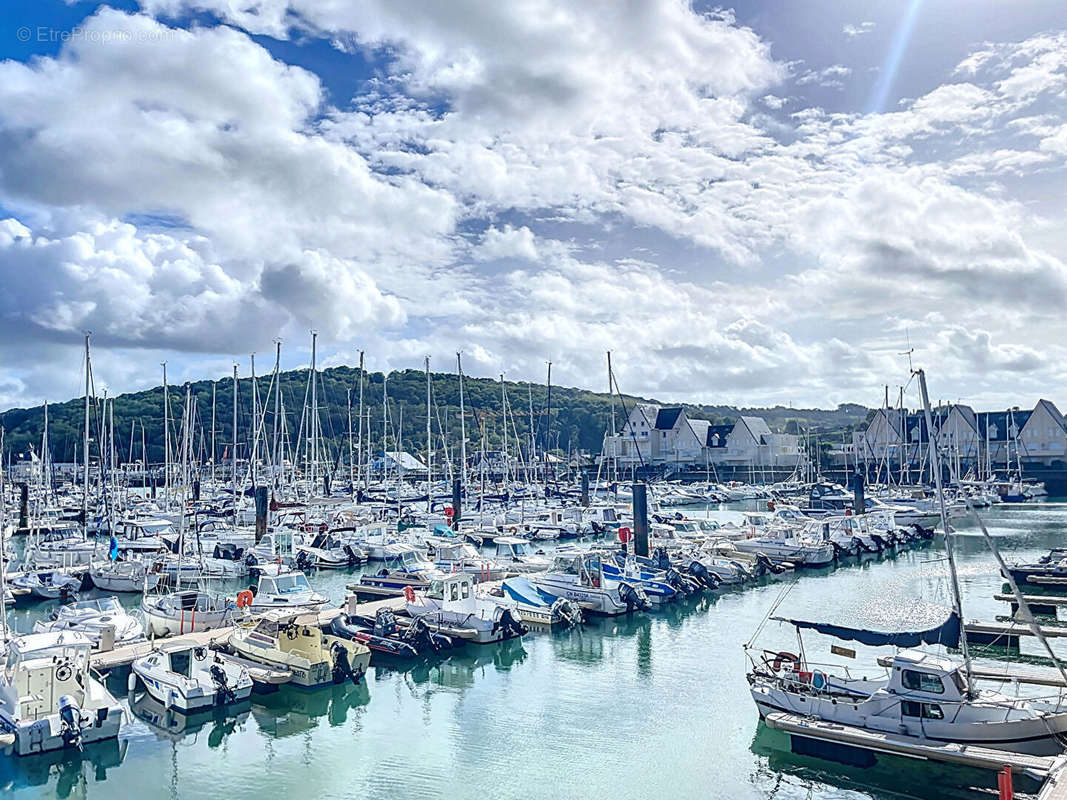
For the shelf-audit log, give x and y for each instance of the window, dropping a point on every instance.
(909, 708)
(921, 681)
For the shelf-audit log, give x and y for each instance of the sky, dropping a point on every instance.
(758, 203)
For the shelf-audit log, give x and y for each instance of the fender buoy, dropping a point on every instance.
(244, 599)
(449, 512)
(409, 594)
(624, 534)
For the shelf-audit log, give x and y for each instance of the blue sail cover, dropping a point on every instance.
(947, 633)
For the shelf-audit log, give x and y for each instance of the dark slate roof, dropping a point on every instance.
(722, 430)
(1001, 420)
(667, 417)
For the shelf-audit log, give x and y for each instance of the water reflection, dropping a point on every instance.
(166, 723)
(291, 710)
(69, 769)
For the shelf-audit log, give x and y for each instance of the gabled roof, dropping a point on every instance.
(757, 427)
(1001, 420)
(1053, 412)
(667, 417)
(644, 412)
(699, 427)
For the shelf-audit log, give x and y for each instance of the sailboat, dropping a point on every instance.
(922, 695)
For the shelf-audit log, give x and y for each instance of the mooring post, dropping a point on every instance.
(640, 491)
(24, 505)
(261, 512)
(457, 497)
(859, 504)
(585, 490)
(196, 491)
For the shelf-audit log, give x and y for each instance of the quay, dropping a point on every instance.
(1040, 604)
(1006, 634)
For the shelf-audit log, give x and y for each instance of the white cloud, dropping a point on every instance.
(829, 77)
(506, 242)
(863, 28)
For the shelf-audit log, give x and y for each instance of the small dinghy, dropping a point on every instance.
(296, 643)
(387, 637)
(191, 680)
(48, 584)
(93, 617)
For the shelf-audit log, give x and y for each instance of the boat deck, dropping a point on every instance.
(126, 654)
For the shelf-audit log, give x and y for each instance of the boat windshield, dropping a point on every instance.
(291, 584)
(102, 604)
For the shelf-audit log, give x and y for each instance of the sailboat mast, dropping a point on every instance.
(462, 424)
(276, 459)
(548, 423)
(85, 443)
(504, 424)
(255, 423)
(359, 443)
(233, 452)
(314, 427)
(429, 445)
(935, 469)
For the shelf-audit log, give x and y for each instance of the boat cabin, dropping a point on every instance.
(279, 587)
(928, 679)
(454, 591)
(583, 565)
(512, 548)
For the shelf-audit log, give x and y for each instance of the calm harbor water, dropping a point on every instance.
(635, 707)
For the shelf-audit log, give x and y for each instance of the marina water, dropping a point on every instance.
(630, 707)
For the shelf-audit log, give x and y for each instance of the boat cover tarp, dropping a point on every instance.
(947, 633)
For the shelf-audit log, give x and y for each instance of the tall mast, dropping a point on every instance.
(3, 527)
(935, 468)
(611, 393)
(85, 442)
(351, 462)
(166, 438)
(548, 423)
(504, 423)
(362, 473)
(233, 452)
(213, 463)
(429, 445)
(314, 427)
(462, 424)
(385, 424)
(46, 473)
(276, 457)
(255, 423)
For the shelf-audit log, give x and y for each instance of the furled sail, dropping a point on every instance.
(947, 633)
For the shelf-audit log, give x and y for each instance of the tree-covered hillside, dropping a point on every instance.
(578, 417)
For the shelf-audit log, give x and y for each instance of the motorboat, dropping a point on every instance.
(296, 643)
(787, 543)
(188, 680)
(578, 575)
(537, 606)
(285, 589)
(1048, 572)
(451, 602)
(654, 583)
(48, 584)
(93, 618)
(517, 555)
(404, 567)
(461, 556)
(328, 552)
(124, 576)
(49, 697)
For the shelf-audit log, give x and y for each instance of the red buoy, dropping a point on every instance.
(624, 534)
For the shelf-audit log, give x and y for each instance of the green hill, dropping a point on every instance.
(578, 419)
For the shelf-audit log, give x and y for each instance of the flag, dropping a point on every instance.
(113, 549)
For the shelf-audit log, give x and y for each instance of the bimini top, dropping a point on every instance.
(947, 633)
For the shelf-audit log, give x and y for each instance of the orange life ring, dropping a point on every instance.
(244, 599)
(409, 594)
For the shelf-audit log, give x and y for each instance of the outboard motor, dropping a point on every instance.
(353, 557)
(71, 714)
(569, 612)
(634, 597)
(304, 560)
(385, 623)
(765, 565)
(223, 692)
(418, 635)
(700, 574)
(663, 561)
(510, 626)
(342, 668)
(880, 543)
(678, 582)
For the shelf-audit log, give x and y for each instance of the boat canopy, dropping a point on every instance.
(947, 633)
